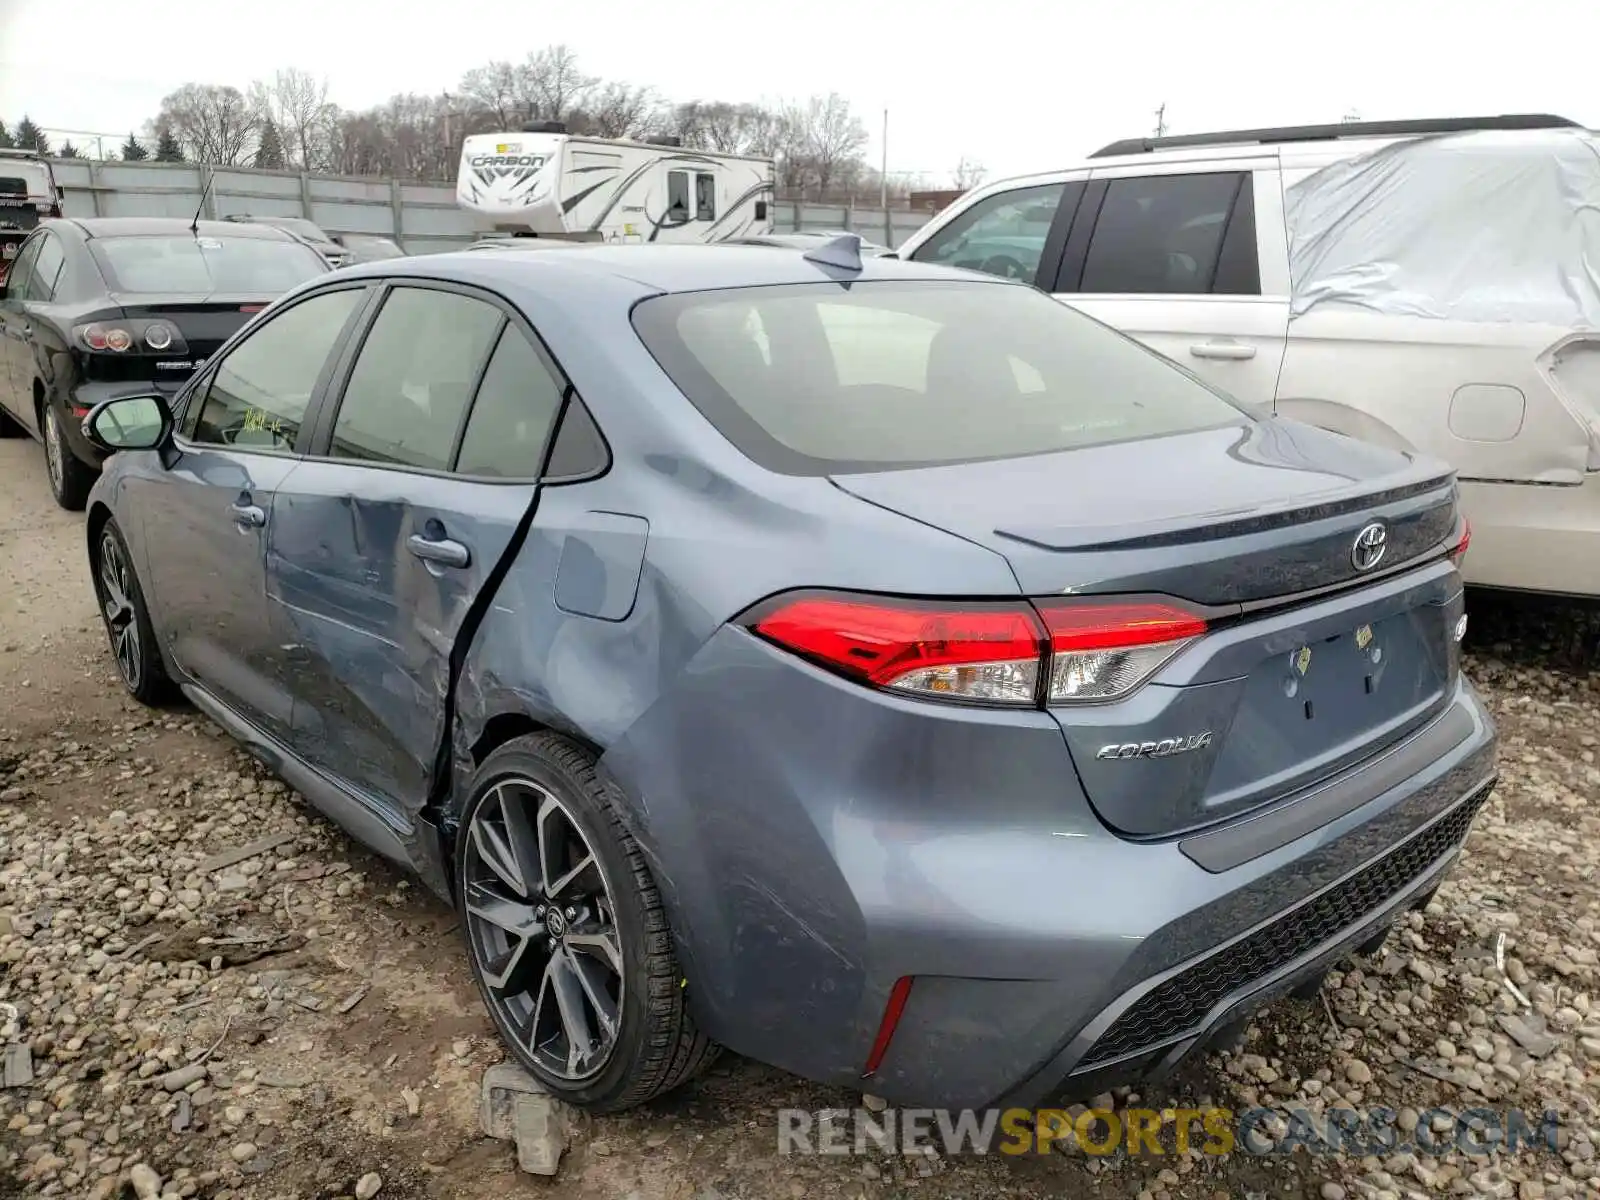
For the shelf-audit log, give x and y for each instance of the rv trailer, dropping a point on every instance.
(547, 183)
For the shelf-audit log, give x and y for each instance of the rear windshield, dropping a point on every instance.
(823, 379)
(13, 185)
(253, 266)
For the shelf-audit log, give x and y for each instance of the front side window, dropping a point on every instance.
(414, 378)
(819, 378)
(1160, 234)
(239, 266)
(258, 395)
(1002, 235)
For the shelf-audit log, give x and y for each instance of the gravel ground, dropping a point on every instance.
(301, 1025)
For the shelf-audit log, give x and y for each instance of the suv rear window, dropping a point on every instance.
(250, 266)
(820, 379)
(13, 185)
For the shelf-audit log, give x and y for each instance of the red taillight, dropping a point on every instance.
(987, 653)
(1009, 653)
(892, 1011)
(135, 335)
(1100, 651)
(251, 308)
(1460, 549)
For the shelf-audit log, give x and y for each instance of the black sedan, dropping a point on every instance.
(98, 308)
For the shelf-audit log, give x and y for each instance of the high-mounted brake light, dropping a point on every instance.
(1008, 653)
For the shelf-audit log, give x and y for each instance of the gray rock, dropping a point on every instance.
(502, 1084)
(145, 1182)
(1530, 1034)
(182, 1077)
(369, 1185)
(540, 1132)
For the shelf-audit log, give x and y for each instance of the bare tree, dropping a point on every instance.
(969, 173)
(619, 110)
(555, 84)
(500, 89)
(817, 144)
(298, 105)
(823, 140)
(213, 123)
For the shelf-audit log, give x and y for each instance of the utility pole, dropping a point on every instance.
(883, 184)
(883, 171)
(1161, 120)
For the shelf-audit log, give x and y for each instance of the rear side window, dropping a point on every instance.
(1002, 235)
(517, 402)
(202, 265)
(819, 378)
(40, 283)
(1161, 234)
(13, 185)
(411, 384)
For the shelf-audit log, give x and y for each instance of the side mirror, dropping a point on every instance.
(129, 423)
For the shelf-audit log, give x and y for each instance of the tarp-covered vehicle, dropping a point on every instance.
(28, 193)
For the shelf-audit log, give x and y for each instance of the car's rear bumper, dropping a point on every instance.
(816, 842)
(1534, 537)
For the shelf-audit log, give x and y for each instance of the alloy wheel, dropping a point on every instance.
(53, 449)
(116, 603)
(542, 926)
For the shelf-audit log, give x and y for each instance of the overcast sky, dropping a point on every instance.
(1020, 85)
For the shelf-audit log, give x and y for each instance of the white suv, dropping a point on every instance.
(1429, 285)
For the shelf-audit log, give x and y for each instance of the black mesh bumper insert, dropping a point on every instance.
(1177, 1006)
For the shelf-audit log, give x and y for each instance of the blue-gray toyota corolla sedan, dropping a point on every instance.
(883, 671)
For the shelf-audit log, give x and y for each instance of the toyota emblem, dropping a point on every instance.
(1370, 543)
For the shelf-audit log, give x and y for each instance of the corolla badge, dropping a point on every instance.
(1370, 543)
(1165, 748)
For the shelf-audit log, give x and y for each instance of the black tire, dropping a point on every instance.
(123, 612)
(70, 477)
(656, 1046)
(10, 427)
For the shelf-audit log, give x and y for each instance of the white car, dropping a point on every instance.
(1427, 285)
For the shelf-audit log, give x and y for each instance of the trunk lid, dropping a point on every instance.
(205, 321)
(1242, 522)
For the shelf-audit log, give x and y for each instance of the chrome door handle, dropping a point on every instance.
(443, 551)
(1230, 350)
(247, 515)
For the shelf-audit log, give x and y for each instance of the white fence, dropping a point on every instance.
(422, 217)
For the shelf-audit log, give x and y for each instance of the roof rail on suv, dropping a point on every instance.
(8, 152)
(1347, 129)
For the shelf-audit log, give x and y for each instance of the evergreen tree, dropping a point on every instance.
(167, 148)
(68, 150)
(30, 137)
(7, 142)
(132, 151)
(269, 154)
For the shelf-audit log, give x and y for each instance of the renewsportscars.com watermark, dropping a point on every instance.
(1178, 1131)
